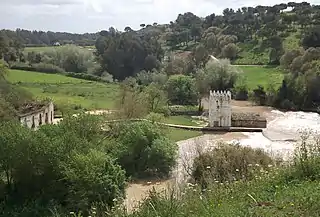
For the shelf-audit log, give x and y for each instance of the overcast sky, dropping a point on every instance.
(94, 15)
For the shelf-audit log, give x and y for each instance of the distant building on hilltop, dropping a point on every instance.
(34, 115)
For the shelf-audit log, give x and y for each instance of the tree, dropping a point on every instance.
(288, 57)
(93, 177)
(64, 163)
(127, 29)
(155, 97)
(230, 51)
(276, 50)
(200, 56)
(131, 102)
(71, 58)
(182, 90)
(125, 55)
(217, 75)
(143, 149)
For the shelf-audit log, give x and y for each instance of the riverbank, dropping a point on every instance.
(283, 130)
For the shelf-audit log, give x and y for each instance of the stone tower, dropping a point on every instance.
(220, 109)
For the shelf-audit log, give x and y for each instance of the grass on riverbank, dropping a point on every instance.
(181, 120)
(279, 190)
(177, 135)
(68, 93)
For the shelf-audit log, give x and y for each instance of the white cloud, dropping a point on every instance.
(94, 15)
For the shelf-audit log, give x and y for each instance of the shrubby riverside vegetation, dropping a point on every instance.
(81, 166)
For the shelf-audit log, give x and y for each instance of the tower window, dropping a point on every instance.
(33, 124)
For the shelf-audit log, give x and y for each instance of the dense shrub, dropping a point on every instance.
(306, 160)
(182, 90)
(89, 77)
(39, 67)
(240, 90)
(53, 69)
(228, 163)
(65, 164)
(143, 149)
(217, 75)
(71, 58)
(258, 95)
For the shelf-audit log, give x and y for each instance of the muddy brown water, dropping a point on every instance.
(279, 137)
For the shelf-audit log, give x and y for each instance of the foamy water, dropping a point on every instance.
(282, 132)
(278, 139)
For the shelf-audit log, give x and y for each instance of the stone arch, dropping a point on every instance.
(46, 118)
(40, 119)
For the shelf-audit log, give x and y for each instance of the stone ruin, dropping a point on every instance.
(220, 109)
(220, 113)
(33, 115)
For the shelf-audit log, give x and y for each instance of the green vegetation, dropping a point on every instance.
(12, 99)
(143, 149)
(245, 185)
(46, 49)
(67, 93)
(88, 167)
(181, 120)
(262, 75)
(82, 164)
(180, 134)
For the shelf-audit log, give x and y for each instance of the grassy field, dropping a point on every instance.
(181, 120)
(70, 93)
(260, 75)
(48, 48)
(180, 134)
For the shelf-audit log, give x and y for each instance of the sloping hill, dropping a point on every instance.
(67, 93)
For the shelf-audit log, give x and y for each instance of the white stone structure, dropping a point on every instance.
(220, 109)
(34, 119)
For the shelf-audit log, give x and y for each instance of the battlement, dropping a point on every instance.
(226, 95)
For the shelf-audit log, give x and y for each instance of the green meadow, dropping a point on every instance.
(68, 93)
(262, 75)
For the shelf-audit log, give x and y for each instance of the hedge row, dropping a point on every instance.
(53, 69)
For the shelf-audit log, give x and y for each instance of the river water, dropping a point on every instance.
(284, 130)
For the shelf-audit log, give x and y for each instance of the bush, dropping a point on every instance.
(259, 95)
(40, 67)
(143, 150)
(91, 176)
(63, 163)
(241, 90)
(217, 75)
(228, 163)
(71, 58)
(182, 90)
(306, 161)
(88, 77)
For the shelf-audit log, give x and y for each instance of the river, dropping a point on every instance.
(279, 139)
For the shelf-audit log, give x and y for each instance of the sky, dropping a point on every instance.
(80, 16)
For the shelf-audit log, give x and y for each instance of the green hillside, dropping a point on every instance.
(67, 93)
(262, 75)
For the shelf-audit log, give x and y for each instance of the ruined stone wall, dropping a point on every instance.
(34, 119)
(249, 123)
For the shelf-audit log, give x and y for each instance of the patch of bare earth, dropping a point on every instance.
(139, 191)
